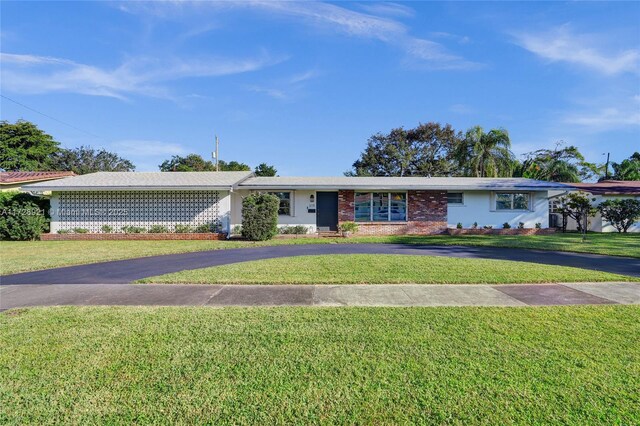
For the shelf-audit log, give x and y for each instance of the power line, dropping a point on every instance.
(52, 118)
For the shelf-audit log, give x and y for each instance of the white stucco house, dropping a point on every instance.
(381, 205)
(601, 192)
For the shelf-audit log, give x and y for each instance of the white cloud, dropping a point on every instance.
(461, 109)
(285, 88)
(605, 118)
(143, 76)
(563, 45)
(387, 9)
(331, 17)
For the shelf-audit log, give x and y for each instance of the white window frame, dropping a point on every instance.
(494, 200)
(406, 207)
(461, 203)
(292, 196)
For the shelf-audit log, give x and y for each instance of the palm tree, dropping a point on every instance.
(486, 154)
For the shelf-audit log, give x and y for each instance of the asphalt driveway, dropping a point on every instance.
(127, 271)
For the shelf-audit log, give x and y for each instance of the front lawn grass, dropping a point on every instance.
(96, 365)
(383, 269)
(22, 256)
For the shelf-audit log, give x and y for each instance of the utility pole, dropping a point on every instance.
(606, 168)
(216, 154)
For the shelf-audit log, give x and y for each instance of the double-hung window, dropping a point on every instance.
(380, 206)
(512, 201)
(285, 203)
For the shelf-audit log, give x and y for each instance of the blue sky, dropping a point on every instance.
(302, 85)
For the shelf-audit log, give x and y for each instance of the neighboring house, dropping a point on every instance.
(601, 191)
(13, 181)
(381, 205)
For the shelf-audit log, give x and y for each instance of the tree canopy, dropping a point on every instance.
(24, 147)
(628, 169)
(556, 165)
(422, 151)
(85, 160)
(483, 154)
(263, 169)
(195, 163)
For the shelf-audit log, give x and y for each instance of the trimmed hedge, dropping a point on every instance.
(260, 217)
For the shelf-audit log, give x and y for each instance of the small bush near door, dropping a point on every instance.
(260, 217)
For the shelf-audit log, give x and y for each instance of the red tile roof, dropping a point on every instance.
(610, 187)
(7, 178)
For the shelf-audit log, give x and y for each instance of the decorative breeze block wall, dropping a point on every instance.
(93, 209)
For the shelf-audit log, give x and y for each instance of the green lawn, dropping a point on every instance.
(35, 255)
(562, 365)
(383, 269)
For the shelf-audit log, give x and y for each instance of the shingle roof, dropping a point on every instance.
(143, 180)
(449, 183)
(7, 178)
(610, 187)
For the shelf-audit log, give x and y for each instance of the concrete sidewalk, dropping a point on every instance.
(319, 295)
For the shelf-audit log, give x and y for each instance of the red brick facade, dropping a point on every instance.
(185, 236)
(426, 214)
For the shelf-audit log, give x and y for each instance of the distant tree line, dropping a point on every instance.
(433, 149)
(430, 149)
(25, 147)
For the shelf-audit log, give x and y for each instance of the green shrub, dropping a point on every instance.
(130, 229)
(158, 229)
(620, 213)
(521, 225)
(260, 217)
(204, 228)
(22, 216)
(488, 227)
(538, 225)
(182, 229)
(475, 225)
(64, 231)
(459, 225)
(107, 229)
(237, 230)
(297, 230)
(80, 230)
(506, 225)
(349, 227)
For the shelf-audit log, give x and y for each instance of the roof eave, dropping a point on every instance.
(129, 188)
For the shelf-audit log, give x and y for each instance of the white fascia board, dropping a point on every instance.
(128, 188)
(394, 188)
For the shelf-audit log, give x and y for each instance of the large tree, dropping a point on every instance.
(85, 160)
(190, 163)
(24, 147)
(483, 154)
(263, 169)
(426, 150)
(556, 165)
(628, 169)
(195, 163)
(233, 166)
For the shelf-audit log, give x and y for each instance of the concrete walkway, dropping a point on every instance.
(127, 271)
(319, 295)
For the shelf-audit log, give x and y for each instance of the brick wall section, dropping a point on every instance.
(427, 214)
(427, 206)
(346, 208)
(138, 237)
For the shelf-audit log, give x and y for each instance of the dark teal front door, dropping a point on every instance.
(327, 211)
